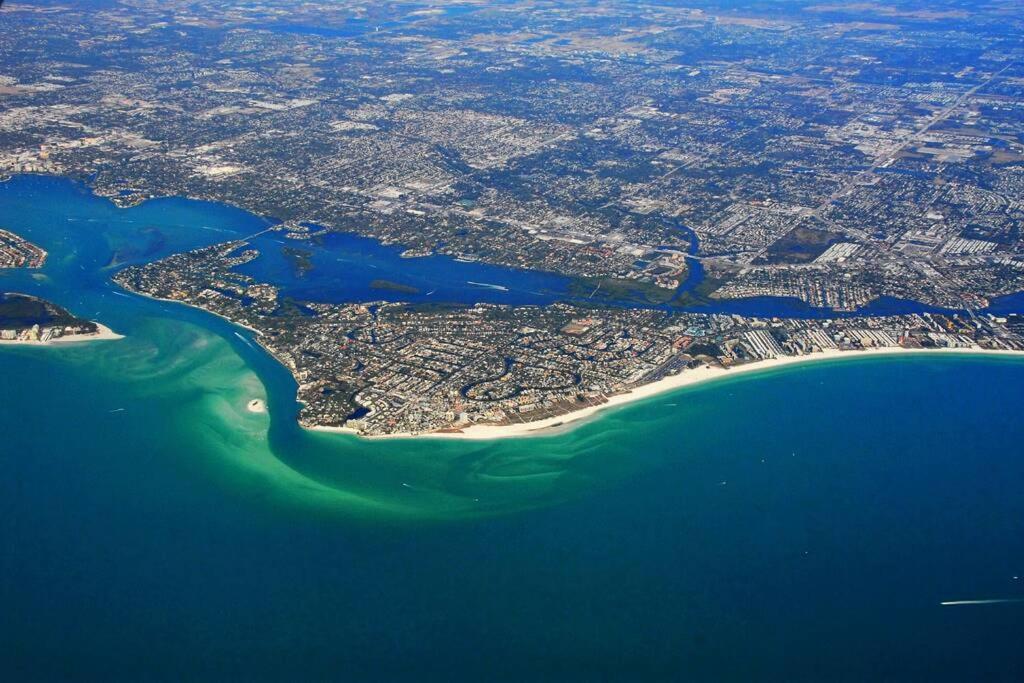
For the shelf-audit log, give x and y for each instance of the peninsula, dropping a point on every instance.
(390, 369)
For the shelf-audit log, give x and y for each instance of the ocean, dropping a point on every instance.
(805, 523)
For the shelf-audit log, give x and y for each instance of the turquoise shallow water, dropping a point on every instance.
(799, 524)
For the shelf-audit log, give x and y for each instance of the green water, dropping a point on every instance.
(193, 374)
(804, 523)
(174, 384)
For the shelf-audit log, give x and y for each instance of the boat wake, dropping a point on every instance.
(486, 285)
(989, 601)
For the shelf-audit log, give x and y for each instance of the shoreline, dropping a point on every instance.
(256, 333)
(558, 424)
(103, 333)
(551, 426)
(273, 222)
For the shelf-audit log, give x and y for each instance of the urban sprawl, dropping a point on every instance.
(662, 155)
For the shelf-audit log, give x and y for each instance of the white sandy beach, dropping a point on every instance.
(103, 333)
(552, 425)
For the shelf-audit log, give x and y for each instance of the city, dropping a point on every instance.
(819, 152)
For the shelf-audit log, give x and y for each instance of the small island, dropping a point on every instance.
(397, 287)
(30, 320)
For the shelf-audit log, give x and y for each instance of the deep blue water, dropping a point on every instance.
(844, 519)
(345, 266)
(1011, 303)
(773, 306)
(799, 525)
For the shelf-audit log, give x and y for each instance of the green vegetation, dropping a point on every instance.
(604, 289)
(704, 349)
(428, 307)
(389, 286)
(700, 295)
(300, 260)
(20, 311)
(800, 245)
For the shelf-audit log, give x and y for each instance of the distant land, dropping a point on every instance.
(833, 154)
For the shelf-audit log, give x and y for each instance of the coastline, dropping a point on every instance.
(256, 333)
(103, 333)
(565, 422)
(539, 427)
(568, 421)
